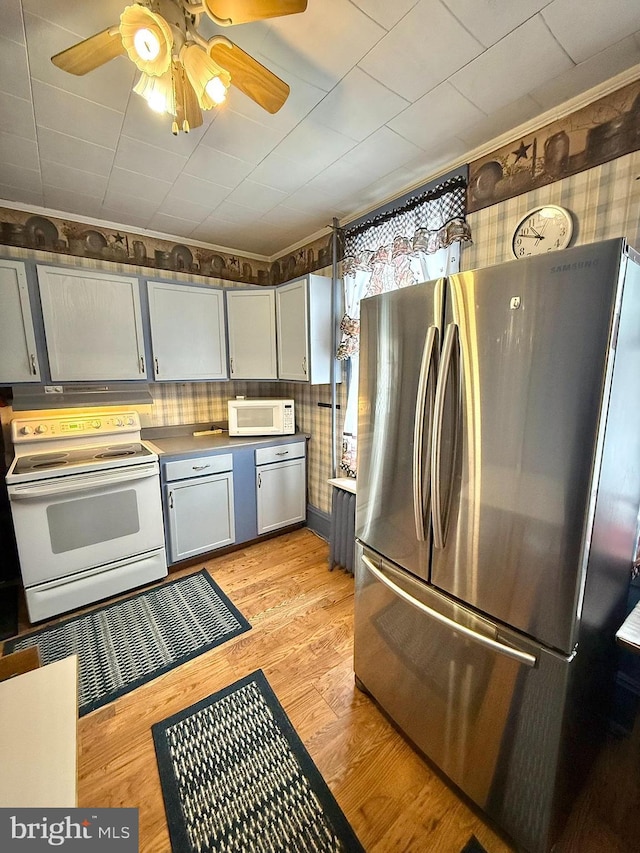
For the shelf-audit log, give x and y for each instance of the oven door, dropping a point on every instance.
(66, 524)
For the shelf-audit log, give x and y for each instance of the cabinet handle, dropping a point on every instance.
(170, 500)
(304, 365)
(260, 480)
(231, 364)
(157, 368)
(199, 467)
(141, 364)
(283, 453)
(33, 365)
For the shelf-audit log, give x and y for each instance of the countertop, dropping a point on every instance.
(179, 440)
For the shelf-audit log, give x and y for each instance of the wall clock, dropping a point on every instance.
(543, 229)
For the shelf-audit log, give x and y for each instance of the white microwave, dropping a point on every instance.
(261, 417)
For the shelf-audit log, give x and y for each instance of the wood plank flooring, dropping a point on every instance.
(302, 618)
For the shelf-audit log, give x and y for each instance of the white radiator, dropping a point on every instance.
(343, 519)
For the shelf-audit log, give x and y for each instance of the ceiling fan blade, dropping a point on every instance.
(90, 53)
(245, 11)
(252, 78)
(187, 106)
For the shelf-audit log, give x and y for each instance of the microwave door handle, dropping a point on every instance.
(482, 640)
(73, 485)
(424, 395)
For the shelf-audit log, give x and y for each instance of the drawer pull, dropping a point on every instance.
(283, 453)
(200, 467)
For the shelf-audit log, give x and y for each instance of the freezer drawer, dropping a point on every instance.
(487, 706)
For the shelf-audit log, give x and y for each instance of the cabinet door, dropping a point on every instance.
(18, 360)
(200, 515)
(92, 324)
(281, 490)
(187, 331)
(251, 315)
(292, 314)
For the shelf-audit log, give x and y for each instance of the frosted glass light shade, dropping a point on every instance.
(201, 71)
(142, 31)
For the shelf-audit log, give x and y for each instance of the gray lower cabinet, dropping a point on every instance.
(281, 485)
(199, 505)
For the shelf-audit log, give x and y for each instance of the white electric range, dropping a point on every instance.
(86, 507)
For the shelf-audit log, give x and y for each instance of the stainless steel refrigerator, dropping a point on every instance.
(497, 499)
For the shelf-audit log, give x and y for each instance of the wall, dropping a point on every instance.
(605, 202)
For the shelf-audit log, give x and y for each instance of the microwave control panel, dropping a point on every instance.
(288, 420)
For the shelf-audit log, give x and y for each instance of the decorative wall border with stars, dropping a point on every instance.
(603, 130)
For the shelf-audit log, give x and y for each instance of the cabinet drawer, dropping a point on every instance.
(279, 452)
(197, 466)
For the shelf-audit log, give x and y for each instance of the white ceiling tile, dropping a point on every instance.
(608, 23)
(23, 196)
(167, 224)
(282, 173)
(341, 179)
(604, 65)
(382, 152)
(14, 69)
(119, 216)
(256, 196)
(499, 122)
(17, 151)
(190, 188)
(491, 20)
(75, 116)
(110, 85)
(401, 60)
(72, 202)
(184, 209)
(521, 61)
(118, 205)
(454, 112)
(84, 19)
(61, 148)
(344, 33)
(240, 137)
(155, 162)
(215, 166)
(65, 177)
(20, 177)
(17, 115)
(231, 212)
(358, 106)
(128, 182)
(385, 13)
(314, 144)
(283, 216)
(319, 203)
(12, 23)
(215, 232)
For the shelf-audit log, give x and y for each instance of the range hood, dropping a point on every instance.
(79, 396)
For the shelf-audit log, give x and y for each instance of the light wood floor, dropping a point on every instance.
(302, 639)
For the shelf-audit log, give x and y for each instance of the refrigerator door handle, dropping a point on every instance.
(439, 522)
(425, 394)
(508, 651)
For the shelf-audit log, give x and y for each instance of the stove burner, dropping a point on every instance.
(47, 457)
(114, 454)
(56, 462)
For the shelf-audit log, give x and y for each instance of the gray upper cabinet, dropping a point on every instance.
(187, 332)
(18, 357)
(304, 323)
(251, 317)
(93, 324)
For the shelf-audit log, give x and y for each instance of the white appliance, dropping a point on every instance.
(86, 507)
(261, 417)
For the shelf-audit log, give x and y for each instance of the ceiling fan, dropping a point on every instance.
(182, 72)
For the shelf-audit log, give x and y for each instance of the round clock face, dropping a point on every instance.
(543, 229)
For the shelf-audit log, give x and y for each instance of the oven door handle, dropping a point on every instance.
(80, 483)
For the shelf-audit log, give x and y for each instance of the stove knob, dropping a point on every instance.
(119, 422)
(26, 430)
(130, 421)
(40, 429)
(95, 424)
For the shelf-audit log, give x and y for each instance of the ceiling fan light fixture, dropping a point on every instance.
(209, 81)
(147, 38)
(158, 92)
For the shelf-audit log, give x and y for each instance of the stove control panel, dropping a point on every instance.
(61, 427)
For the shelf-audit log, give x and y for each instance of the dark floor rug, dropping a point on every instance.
(473, 846)
(8, 610)
(124, 645)
(236, 777)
